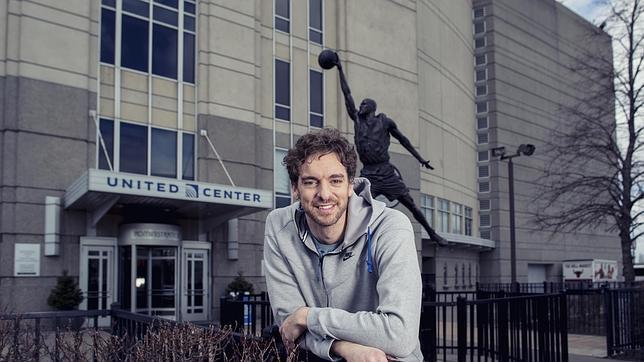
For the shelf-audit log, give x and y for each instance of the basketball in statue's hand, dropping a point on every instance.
(328, 59)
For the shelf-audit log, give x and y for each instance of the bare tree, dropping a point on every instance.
(594, 175)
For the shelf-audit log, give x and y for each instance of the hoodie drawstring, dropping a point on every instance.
(369, 261)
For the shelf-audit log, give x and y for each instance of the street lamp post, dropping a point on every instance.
(524, 149)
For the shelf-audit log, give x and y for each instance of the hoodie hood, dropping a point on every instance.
(362, 211)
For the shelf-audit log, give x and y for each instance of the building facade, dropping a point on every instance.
(142, 139)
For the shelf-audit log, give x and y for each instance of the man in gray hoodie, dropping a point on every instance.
(341, 268)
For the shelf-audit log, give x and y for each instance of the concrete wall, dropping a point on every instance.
(530, 44)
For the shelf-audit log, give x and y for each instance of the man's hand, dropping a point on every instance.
(353, 352)
(294, 327)
(426, 164)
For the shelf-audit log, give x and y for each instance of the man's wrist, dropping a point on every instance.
(301, 316)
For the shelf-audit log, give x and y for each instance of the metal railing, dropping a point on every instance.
(248, 313)
(625, 322)
(40, 333)
(522, 328)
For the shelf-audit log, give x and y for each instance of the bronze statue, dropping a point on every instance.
(372, 136)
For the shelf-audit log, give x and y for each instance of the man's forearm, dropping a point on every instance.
(352, 352)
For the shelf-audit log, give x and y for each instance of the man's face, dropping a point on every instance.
(323, 188)
(366, 106)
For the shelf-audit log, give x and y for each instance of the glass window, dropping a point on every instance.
(479, 12)
(134, 43)
(457, 218)
(443, 215)
(282, 90)
(484, 171)
(188, 58)
(479, 42)
(484, 204)
(164, 48)
(165, 15)
(485, 234)
(111, 3)
(170, 3)
(188, 156)
(282, 181)
(107, 132)
(189, 7)
(485, 220)
(479, 27)
(482, 138)
(484, 156)
(484, 186)
(164, 153)
(189, 22)
(283, 15)
(133, 148)
(481, 59)
(481, 122)
(481, 107)
(315, 21)
(427, 207)
(107, 35)
(316, 115)
(481, 75)
(137, 7)
(468, 221)
(481, 90)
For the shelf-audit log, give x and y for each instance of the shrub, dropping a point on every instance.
(66, 295)
(239, 285)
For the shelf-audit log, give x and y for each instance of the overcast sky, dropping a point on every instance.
(589, 9)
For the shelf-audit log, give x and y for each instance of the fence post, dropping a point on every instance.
(502, 325)
(461, 325)
(563, 318)
(608, 311)
(428, 325)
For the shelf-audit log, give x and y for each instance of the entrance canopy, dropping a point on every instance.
(100, 190)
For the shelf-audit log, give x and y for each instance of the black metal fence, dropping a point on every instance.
(524, 328)
(625, 322)
(27, 331)
(611, 309)
(248, 313)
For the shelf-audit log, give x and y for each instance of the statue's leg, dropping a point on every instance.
(418, 215)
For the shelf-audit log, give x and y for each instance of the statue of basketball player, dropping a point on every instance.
(372, 135)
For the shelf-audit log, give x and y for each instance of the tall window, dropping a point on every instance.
(282, 182)
(315, 21)
(316, 112)
(443, 215)
(427, 207)
(283, 15)
(133, 150)
(468, 222)
(168, 38)
(457, 218)
(282, 90)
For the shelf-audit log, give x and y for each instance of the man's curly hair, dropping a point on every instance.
(323, 142)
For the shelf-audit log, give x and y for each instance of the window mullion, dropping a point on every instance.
(180, 92)
(118, 34)
(149, 76)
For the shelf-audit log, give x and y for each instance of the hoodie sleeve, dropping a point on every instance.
(284, 293)
(394, 326)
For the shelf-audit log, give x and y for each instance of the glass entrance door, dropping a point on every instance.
(195, 284)
(96, 278)
(155, 282)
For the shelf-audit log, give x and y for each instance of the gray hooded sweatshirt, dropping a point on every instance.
(366, 291)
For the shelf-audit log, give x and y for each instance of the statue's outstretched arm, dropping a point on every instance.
(348, 99)
(404, 141)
